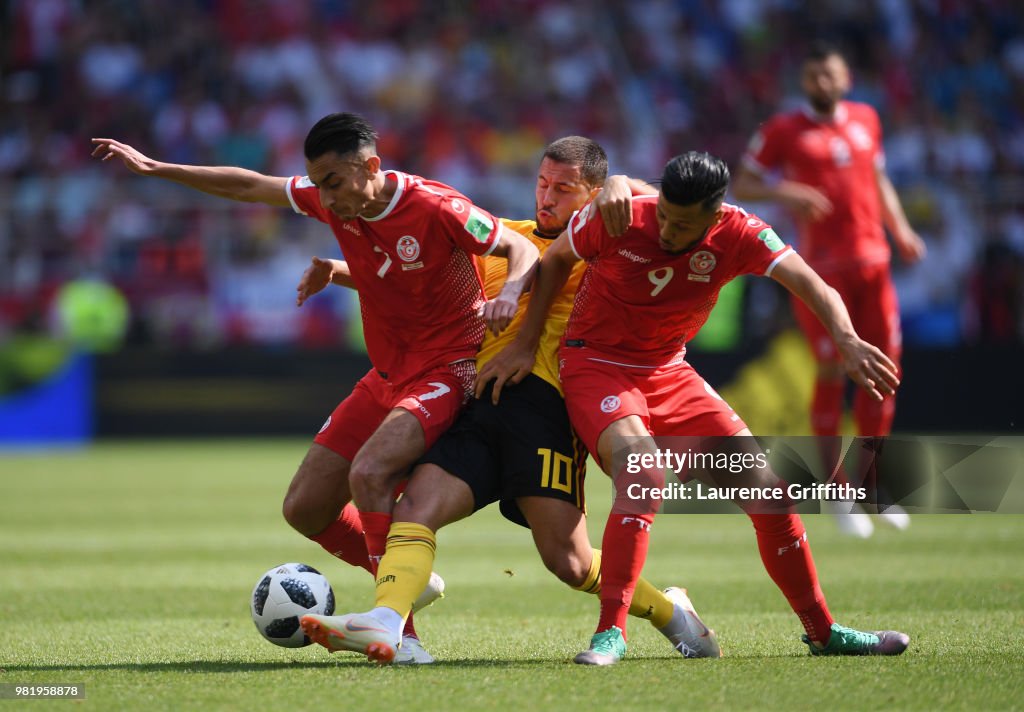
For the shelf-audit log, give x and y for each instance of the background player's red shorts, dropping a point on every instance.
(870, 298)
(671, 400)
(435, 397)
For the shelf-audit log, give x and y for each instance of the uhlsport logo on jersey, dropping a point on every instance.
(772, 241)
(408, 248)
(479, 225)
(703, 262)
(610, 404)
(327, 424)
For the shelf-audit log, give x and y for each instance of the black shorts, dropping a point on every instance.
(523, 447)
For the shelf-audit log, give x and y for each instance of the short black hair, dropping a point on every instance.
(583, 152)
(820, 50)
(695, 178)
(342, 133)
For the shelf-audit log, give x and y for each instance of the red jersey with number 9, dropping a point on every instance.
(637, 303)
(419, 288)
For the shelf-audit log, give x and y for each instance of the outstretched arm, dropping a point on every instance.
(804, 200)
(515, 361)
(869, 368)
(908, 243)
(522, 256)
(223, 181)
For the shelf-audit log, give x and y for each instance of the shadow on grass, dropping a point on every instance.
(214, 666)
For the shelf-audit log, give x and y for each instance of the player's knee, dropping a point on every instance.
(304, 514)
(567, 566)
(371, 485)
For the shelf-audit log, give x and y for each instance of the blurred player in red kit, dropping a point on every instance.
(825, 163)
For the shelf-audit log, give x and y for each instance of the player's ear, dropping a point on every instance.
(372, 164)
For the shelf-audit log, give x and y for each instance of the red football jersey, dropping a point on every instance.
(639, 304)
(838, 157)
(419, 288)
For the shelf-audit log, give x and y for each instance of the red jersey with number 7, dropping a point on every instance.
(419, 288)
(638, 304)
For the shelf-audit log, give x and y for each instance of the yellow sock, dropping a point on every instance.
(592, 583)
(405, 568)
(648, 602)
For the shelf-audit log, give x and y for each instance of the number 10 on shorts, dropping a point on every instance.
(556, 470)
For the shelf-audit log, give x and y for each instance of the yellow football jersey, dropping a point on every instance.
(494, 270)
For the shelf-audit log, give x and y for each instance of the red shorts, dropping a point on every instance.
(874, 310)
(435, 397)
(671, 400)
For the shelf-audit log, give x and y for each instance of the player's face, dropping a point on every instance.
(344, 183)
(825, 82)
(680, 227)
(561, 191)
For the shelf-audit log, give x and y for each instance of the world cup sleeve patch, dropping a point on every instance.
(772, 241)
(479, 225)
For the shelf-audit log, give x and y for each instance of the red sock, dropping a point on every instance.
(782, 541)
(375, 529)
(873, 418)
(343, 538)
(827, 406)
(623, 552)
(410, 629)
(830, 448)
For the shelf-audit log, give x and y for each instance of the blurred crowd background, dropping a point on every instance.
(468, 93)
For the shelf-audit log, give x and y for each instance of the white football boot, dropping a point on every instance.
(686, 631)
(366, 634)
(358, 632)
(895, 516)
(433, 591)
(850, 518)
(412, 652)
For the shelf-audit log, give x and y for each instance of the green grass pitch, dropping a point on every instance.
(128, 567)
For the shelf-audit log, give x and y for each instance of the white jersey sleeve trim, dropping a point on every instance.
(497, 238)
(401, 179)
(777, 260)
(291, 198)
(569, 231)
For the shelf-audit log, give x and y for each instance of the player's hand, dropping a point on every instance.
(869, 368)
(498, 312)
(316, 277)
(910, 246)
(615, 201)
(107, 148)
(805, 200)
(511, 365)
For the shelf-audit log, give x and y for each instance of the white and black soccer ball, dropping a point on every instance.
(282, 596)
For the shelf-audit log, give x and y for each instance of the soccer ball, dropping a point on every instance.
(282, 596)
